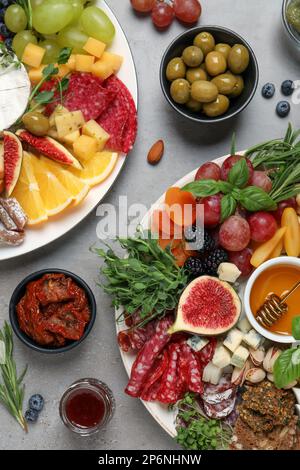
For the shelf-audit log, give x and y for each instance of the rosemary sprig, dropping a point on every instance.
(11, 388)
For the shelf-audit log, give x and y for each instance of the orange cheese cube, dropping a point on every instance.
(93, 129)
(63, 70)
(102, 70)
(71, 62)
(85, 147)
(114, 60)
(33, 55)
(71, 138)
(36, 74)
(94, 47)
(84, 63)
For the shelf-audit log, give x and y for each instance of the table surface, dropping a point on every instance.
(187, 145)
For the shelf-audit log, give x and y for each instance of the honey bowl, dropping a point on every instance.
(276, 276)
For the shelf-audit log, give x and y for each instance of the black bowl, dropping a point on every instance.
(20, 291)
(220, 34)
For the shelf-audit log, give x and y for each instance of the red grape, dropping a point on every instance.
(187, 11)
(142, 6)
(291, 202)
(162, 14)
(208, 171)
(212, 209)
(230, 162)
(262, 180)
(242, 260)
(262, 226)
(234, 233)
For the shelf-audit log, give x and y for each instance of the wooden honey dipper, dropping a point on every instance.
(273, 308)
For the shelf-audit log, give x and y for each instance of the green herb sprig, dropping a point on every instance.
(147, 280)
(11, 388)
(7, 58)
(287, 365)
(195, 431)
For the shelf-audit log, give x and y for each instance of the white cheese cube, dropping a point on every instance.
(212, 374)
(233, 339)
(244, 325)
(253, 339)
(197, 343)
(239, 357)
(222, 357)
(68, 123)
(228, 272)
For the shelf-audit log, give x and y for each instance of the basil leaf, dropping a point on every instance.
(239, 174)
(225, 187)
(44, 97)
(228, 206)
(203, 188)
(296, 328)
(64, 55)
(255, 199)
(287, 367)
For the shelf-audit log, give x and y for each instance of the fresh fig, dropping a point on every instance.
(13, 155)
(49, 147)
(1, 167)
(207, 306)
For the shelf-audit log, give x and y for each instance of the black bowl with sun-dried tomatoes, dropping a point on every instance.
(52, 311)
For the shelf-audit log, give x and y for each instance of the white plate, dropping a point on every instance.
(58, 226)
(160, 413)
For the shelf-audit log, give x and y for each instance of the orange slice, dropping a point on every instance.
(97, 168)
(27, 192)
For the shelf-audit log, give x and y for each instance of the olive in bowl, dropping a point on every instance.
(217, 88)
(52, 311)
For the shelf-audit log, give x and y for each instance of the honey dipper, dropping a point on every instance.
(273, 308)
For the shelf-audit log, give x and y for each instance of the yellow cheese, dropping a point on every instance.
(36, 74)
(59, 110)
(63, 70)
(33, 55)
(102, 70)
(68, 123)
(114, 60)
(92, 129)
(94, 47)
(71, 62)
(84, 63)
(69, 139)
(85, 147)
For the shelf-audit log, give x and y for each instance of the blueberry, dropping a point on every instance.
(283, 108)
(2, 12)
(31, 416)
(36, 402)
(268, 90)
(4, 31)
(8, 43)
(5, 3)
(287, 87)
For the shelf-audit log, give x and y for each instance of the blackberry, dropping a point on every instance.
(195, 266)
(214, 259)
(200, 240)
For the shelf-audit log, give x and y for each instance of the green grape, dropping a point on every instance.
(77, 6)
(52, 51)
(15, 18)
(72, 37)
(95, 23)
(52, 16)
(35, 3)
(21, 40)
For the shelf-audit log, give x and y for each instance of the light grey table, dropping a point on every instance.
(187, 146)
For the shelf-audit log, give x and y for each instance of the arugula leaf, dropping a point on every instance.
(287, 367)
(296, 328)
(255, 199)
(64, 55)
(228, 206)
(239, 174)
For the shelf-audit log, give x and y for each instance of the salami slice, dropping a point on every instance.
(214, 394)
(220, 410)
(135, 338)
(146, 357)
(170, 389)
(153, 383)
(191, 371)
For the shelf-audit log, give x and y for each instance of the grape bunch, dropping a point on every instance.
(163, 12)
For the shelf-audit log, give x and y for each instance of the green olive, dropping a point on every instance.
(194, 106)
(224, 49)
(215, 63)
(205, 41)
(36, 123)
(225, 83)
(192, 56)
(204, 91)
(238, 59)
(180, 90)
(175, 69)
(238, 88)
(217, 107)
(196, 74)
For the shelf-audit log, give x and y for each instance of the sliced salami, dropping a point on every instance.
(153, 383)
(205, 355)
(135, 338)
(170, 389)
(192, 373)
(221, 410)
(216, 398)
(214, 394)
(146, 357)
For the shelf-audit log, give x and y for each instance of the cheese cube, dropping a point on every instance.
(102, 70)
(233, 339)
(253, 339)
(228, 272)
(221, 357)
(59, 110)
(33, 55)
(212, 374)
(71, 62)
(68, 123)
(94, 47)
(244, 325)
(63, 70)
(93, 129)
(114, 60)
(52, 133)
(69, 139)
(83, 63)
(85, 147)
(197, 343)
(239, 357)
(36, 74)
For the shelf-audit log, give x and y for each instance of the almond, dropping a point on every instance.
(156, 152)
